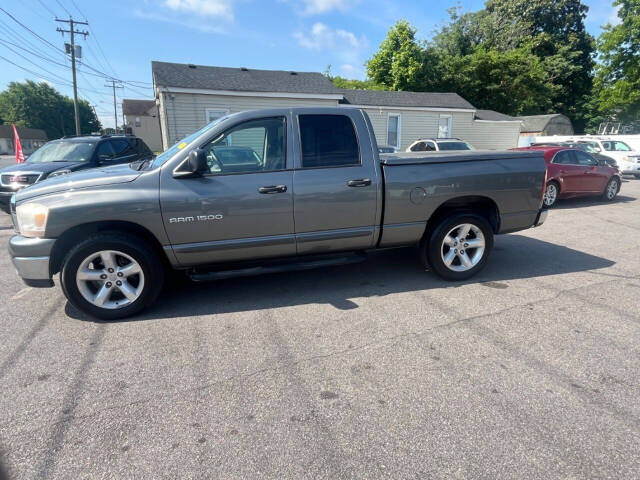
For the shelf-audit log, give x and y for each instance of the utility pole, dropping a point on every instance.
(114, 85)
(72, 32)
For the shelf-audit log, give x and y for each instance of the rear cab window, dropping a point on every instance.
(328, 141)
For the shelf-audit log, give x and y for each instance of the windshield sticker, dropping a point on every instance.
(182, 145)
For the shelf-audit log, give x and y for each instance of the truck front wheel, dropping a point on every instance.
(111, 275)
(458, 247)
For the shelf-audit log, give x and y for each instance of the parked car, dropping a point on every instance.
(582, 145)
(386, 149)
(319, 189)
(69, 154)
(438, 144)
(575, 173)
(626, 158)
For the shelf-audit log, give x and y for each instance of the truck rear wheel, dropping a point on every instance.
(458, 247)
(111, 275)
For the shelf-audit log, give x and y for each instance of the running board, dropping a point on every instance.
(306, 263)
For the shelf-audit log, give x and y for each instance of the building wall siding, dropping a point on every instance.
(148, 131)
(416, 125)
(186, 112)
(183, 113)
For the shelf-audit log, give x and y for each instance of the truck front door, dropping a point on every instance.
(242, 208)
(336, 183)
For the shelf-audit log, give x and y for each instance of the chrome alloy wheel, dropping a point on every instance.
(463, 247)
(110, 279)
(550, 194)
(612, 189)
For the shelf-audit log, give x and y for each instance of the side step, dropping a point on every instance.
(277, 266)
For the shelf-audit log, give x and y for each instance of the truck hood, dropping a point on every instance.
(76, 180)
(44, 167)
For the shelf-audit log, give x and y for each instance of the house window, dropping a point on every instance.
(393, 130)
(212, 114)
(138, 122)
(444, 126)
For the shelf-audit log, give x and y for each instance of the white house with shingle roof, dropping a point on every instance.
(190, 96)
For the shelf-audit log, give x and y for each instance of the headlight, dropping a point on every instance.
(32, 219)
(57, 173)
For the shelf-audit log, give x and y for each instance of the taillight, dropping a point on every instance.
(544, 183)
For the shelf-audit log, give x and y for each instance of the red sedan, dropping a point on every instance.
(575, 173)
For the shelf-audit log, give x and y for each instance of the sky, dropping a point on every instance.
(126, 35)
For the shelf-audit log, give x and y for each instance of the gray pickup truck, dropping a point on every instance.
(265, 191)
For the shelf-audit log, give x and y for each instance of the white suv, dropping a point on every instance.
(627, 159)
(438, 144)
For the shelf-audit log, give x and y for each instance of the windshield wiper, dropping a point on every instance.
(140, 164)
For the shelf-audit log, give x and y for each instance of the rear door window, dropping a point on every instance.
(584, 159)
(328, 141)
(105, 150)
(563, 157)
(122, 148)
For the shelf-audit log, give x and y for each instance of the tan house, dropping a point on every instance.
(544, 125)
(190, 96)
(141, 119)
(30, 138)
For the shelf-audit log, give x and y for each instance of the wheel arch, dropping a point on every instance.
(74, 234)
(478, 204)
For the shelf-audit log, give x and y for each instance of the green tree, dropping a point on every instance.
(617, 82)
(400, 62)
(37, 105)
(553, 31)
(513, 82)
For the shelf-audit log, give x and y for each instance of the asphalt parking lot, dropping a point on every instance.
(378, 370)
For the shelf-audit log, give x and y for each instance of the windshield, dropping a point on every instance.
(167, 154)
(591, 147)
(616, 146)
(61, 151)
(454, 146)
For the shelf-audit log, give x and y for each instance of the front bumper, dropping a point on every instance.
(31, 258)
(542, 216)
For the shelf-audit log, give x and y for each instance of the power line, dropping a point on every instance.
(44, 5)
(95, 37)
(45, 41)
(63, 7)
(36, 74)
(20, 37)
(35, 64)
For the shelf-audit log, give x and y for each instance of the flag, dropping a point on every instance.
(17, 145)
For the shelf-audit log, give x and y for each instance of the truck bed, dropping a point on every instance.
(417, 184)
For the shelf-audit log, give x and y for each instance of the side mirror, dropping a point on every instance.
(195, 165)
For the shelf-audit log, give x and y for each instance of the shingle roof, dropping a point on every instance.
(405, 99)
(25, 133)
(138, 107)
(494, 116)
(537, 123)
(239, 79)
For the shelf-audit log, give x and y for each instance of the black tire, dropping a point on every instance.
(132, 246)
(608, 197)
(432, 245)
(545, 200)
(636, 175)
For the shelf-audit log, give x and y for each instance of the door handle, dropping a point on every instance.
(273, 189)
(361, 182)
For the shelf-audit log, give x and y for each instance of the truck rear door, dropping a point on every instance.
(336, 182)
